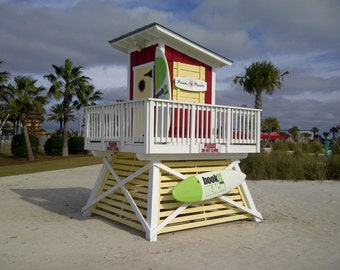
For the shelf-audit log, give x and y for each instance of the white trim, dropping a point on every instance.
(134, 69)
(250, 201)
(128, 196)
(117, 186)
(144, 65)
(169, 170)
(97, 185)
(213, 86)
(149, 33)
(170, 218)
(153, 204)
(128, 77)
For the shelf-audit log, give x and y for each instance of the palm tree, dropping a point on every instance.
(315, 131)
(294, 131)
(260, 76)
(7, 115)
(26, 100)
(58, 115)
(69, 85)
(3, 115)
(326, 134)
(334, 131)
(88, 98)
(306, 135)
(4, 77)
(270, 124)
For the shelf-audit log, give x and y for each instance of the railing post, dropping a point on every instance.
(86, 131)
(101, 124)
(149, 125)
(121, 132)
(193, 126)
(229, 125)
(258, 131)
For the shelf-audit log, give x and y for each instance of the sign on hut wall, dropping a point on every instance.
(190, 84)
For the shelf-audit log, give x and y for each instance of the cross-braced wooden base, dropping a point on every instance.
(138, 194)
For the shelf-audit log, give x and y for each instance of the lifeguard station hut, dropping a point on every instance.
(168, 130)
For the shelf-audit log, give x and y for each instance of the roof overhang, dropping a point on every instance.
(155, 33)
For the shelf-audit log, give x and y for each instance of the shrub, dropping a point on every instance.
(336, 147)
(280, 146)
(316, 147)
(76, 145)
(54, 146)
(292, 145)
(305, 147)
(314, 167)
(18, 145)
(286, 166)
(256, 166)
(333, 167)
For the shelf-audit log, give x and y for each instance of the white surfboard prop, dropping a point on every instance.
(208, 185)
(162, 76)
(162, 91)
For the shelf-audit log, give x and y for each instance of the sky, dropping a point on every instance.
(301, 37)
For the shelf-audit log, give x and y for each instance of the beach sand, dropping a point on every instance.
(41, 228)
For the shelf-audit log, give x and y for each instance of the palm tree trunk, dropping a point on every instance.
(258, 100)
(16, 127)
(30, 155)
(65, 140)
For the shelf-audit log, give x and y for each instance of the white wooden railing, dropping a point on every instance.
(160, 126)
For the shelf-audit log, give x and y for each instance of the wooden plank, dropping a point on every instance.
(243, 198)
(196, 224)
(128, 213)
(127, 168)
(169, 197)
(124, 174)
(196, 163)
(124, 204)
(135, 195)
(199, 209)
(205, 216)
(204, 207)
(111, 181)
(122, 212)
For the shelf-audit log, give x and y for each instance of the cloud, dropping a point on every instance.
(107, 76)
(298, 36)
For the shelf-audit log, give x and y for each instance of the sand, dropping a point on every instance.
(41, 228)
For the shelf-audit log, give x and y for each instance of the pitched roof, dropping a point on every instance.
(154, 33)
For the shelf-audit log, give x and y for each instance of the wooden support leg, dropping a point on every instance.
(153, 202)
(101, 177)
(250, 201)
(120, 183)
(247, 196)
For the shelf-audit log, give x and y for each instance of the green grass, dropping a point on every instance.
(10, 166)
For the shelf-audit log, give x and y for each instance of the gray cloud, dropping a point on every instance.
(298, 36)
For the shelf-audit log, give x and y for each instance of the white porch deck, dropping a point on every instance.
(156, 126)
